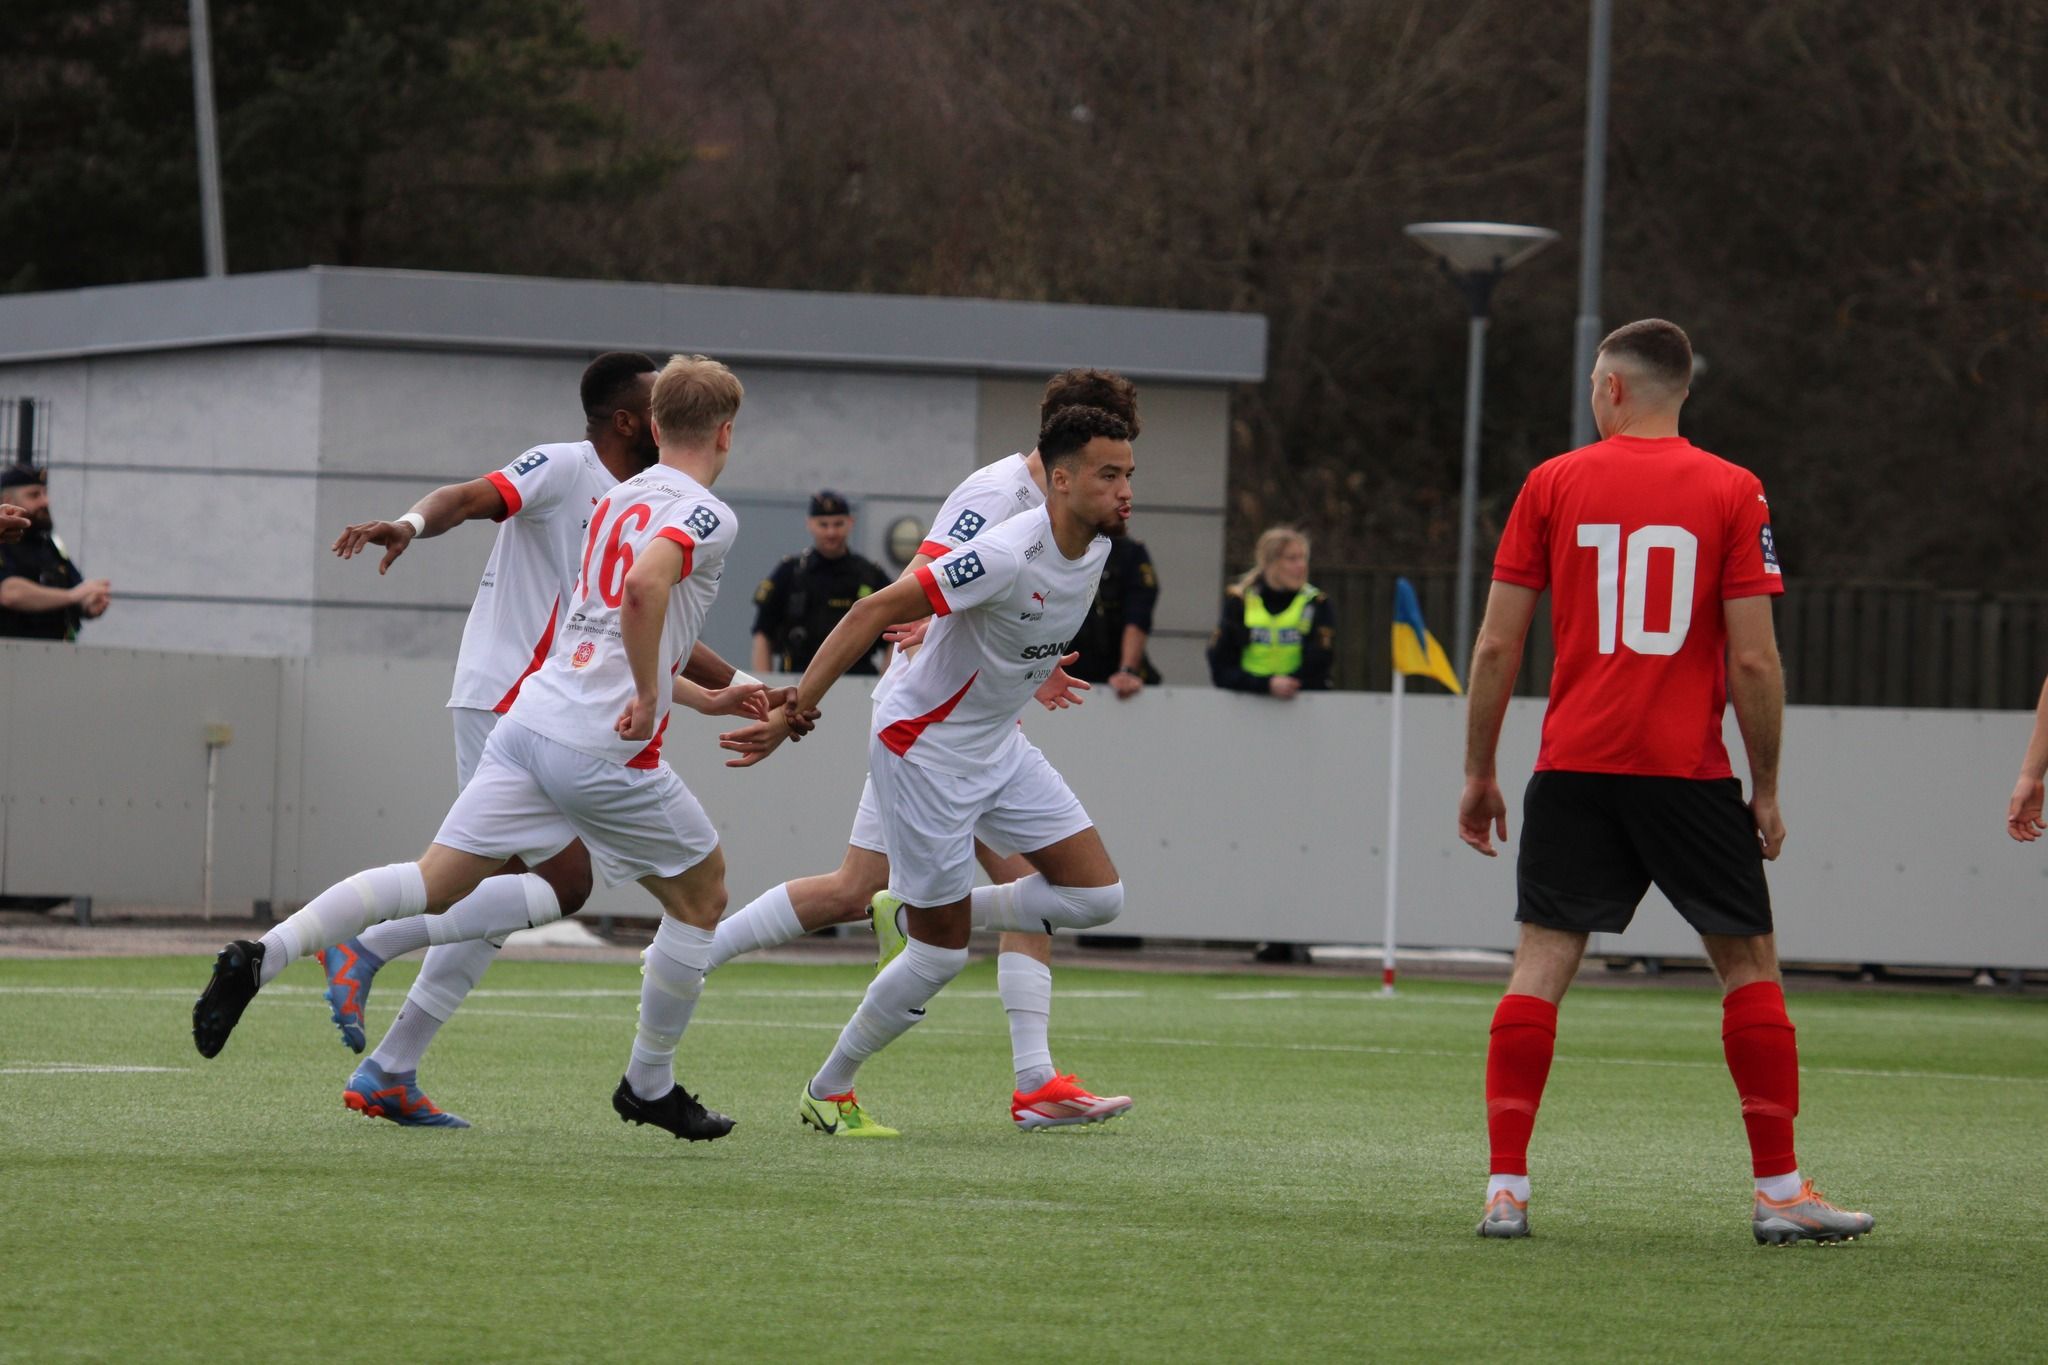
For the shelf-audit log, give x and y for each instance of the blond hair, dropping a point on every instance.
(1271, 542)
(693, 396)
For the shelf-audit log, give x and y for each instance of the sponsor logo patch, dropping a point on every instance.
(1037, 549)
(582, 654)
(701, 522)
(967, 526)
(529, 462)
(1770, 546)
(964, 570)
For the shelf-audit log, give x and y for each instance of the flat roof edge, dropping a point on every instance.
(520, 314)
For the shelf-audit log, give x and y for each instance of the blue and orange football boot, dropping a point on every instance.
(350, 968)
(377, 1094)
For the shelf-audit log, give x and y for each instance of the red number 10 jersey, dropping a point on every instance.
(1640, 540)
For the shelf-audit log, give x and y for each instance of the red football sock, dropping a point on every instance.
(1517, 1065)
(1763, 1057)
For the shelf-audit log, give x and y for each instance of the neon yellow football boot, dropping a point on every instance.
(840, 1116)
(886, 912)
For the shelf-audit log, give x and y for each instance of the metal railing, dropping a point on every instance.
(1844, 644)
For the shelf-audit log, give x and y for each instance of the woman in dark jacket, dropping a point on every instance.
(1277, 631)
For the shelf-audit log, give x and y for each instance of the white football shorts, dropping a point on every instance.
(473, 726)
(930, 819)
(530, 796)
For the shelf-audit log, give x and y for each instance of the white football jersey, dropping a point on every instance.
(579, 694)
(1007, 604)
(990, 496)
(549, 493)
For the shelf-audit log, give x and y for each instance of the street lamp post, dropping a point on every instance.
(1474, 256)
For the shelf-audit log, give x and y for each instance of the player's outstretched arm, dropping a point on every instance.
(2023, 812)
(1756, 685)
(747, 696)
(441, 510)
(1496, 659)
(901, 602)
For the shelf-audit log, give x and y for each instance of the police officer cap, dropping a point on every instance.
(17, 475)
(826, 503)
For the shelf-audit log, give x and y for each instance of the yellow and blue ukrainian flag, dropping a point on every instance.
(1416, 651)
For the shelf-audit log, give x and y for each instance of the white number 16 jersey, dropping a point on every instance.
(586, 684)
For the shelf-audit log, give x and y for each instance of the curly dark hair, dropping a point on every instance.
(608, 380)
(1103, 389)
(1070, 429)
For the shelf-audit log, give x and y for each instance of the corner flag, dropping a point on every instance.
(1416, 651)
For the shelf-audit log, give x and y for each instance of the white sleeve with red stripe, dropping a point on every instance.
(969, 576)
(972, 508)
(694, 527)
(533, 482)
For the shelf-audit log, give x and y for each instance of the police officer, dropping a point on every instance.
(796, 607)
(1111, 642)
(43, 596)
(1277, 634)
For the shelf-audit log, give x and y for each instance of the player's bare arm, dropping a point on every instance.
(2023, 812)
(444, 509)
(1756, 686)
(747, 697)
(642, 610)
(901, 602)
(1496, 659)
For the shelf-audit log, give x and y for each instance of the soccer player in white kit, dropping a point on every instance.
(541, 503)
(579, 756)
(946, 753)
(1043, 1096)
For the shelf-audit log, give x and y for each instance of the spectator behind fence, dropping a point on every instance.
(797, 605)
(43, 596)
(1112, 640)
(1277, 633)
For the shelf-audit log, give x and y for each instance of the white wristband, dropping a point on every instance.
(416, 521)
(742, 678)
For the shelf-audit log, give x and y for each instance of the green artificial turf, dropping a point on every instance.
(1300, 1179)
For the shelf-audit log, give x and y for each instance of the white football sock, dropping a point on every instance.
(1025, 985)
(405, 1042)
(341, 912)
(1516, 1185)
(499, 906)
(895, 1000)
(448, 975)
(1779, 1187)
(671, 978)
(395, 937)
(1032, 905)
(763, 922)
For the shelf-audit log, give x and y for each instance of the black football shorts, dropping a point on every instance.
(1592, 844)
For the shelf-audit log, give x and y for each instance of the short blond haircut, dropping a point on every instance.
(1272, 542)
(693, 396)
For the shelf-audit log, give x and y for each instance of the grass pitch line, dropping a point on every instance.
(82, 1069)
(1345, 1049)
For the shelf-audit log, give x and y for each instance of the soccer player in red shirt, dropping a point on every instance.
(1661, 569)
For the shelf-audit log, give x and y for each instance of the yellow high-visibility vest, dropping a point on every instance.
(1275, 646)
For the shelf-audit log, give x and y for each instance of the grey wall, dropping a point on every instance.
(208, 483)
(1230, 817)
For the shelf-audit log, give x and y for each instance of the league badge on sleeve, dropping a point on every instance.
(967, 526)
(1770, 547)
(964, 570)
(701, 522)
(530, 461)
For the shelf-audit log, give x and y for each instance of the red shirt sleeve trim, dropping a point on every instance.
(931, 549)
(1519, 579)
(932, 594)
(507, 491)
(1767, 587)
(682, 538)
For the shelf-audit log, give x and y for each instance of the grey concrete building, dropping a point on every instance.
(207, 439)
